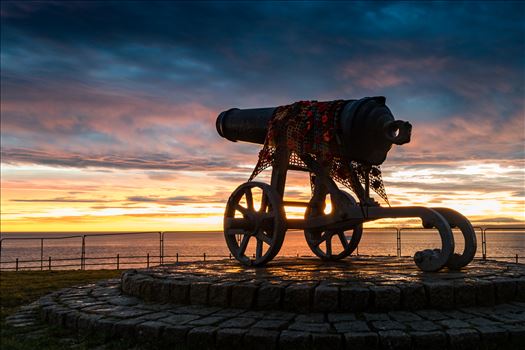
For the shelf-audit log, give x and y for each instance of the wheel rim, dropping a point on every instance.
(332, 244)
(254, 223)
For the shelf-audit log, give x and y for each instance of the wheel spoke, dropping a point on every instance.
(249, 199)
(343, 239)
(264, 238)
(234, 231)
(264, 203)
(238, 223)
(242, 209)
(321, 240)
(328, 244)
(259, 249)
(244, 244)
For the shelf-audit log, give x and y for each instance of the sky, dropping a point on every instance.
(108, 108)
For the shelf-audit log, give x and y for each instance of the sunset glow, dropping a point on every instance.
(111, 127)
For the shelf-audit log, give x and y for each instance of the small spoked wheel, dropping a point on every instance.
(254, 223)
(330, 244)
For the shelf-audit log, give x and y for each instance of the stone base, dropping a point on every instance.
(103, 310)
(360, 284)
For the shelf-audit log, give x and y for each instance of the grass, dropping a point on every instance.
(23, 287)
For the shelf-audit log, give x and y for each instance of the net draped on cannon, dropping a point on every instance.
(341, 141)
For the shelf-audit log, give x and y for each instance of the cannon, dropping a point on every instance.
(341, 141)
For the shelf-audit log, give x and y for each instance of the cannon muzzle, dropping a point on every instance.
(366, 128)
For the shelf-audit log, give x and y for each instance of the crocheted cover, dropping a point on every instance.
(309, 127)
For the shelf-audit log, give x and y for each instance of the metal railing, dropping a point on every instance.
(147, 260)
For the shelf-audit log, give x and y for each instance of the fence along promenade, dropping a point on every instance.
(119, 261)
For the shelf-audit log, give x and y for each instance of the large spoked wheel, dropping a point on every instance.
(332, 245)
(254, 223)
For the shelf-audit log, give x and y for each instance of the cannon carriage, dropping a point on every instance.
(341, 141)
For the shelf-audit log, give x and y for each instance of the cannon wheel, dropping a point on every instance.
(339, 249)
(254, 210)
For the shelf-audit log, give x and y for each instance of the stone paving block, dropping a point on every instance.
(201, 338)
(388, 325)
(155, 316)
(485, 294)
(199, 310)
(520, 289)
(404, 316)
(457, 314)
(230, 313)
(464, 294)
(394, 340)
(128, 312)
(243, 295)
(463, 339)
(199, 293)
(413, 296)
(261, 339)
(179, 291)
(440, 295)
(105, 327)
(271, 324)
(279, 315)
(125, 329)
(163, 291)
(361, 341)
(326, 298)
(123, 300)
(310, 318)
(423, 326)
(386, 297)
(516, 334)
(149, 330)
(175, 335)
(375, 316)
(289, 340)
(238, 322)
(70, 320)
(429, 340)
(230, 338)
(269, 296)
(351, 326)
(298, 297)
(86, 322)
(219, 294)
(505, 289)
(492, 337)
(179, 319)
(332, 317)
(353, 298)
(207, 321)
(453, 324)
(309, 327)
(327, 341)
(481, 321)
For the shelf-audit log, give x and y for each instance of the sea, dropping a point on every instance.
(109, 250)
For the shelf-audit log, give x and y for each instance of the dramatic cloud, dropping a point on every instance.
(133, 89)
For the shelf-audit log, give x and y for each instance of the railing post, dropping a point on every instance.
(230, 256)
(161, 247)
(177, 256)
(484, 244)
(49, 263)
(204, 255)
(118, 262)
(16, 265)
(147, 261)
(83, 254)
(398, 238)
(516, 258)
(41, 254)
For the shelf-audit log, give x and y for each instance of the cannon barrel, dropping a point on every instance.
(366, 128)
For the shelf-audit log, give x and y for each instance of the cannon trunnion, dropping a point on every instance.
(343, 141)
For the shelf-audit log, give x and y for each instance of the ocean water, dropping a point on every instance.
(101, 250)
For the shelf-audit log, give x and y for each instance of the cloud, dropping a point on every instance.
(59, 200)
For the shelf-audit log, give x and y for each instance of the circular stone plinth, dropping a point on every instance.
(371, 284)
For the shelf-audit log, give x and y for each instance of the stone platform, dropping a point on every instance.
(231, 312)
(371, 284)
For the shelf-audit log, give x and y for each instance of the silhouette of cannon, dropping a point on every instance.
(341, 141)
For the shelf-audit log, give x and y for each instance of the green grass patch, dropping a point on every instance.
(23, 287)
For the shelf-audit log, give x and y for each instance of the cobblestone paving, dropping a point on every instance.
(309, 285)
(102, 309)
